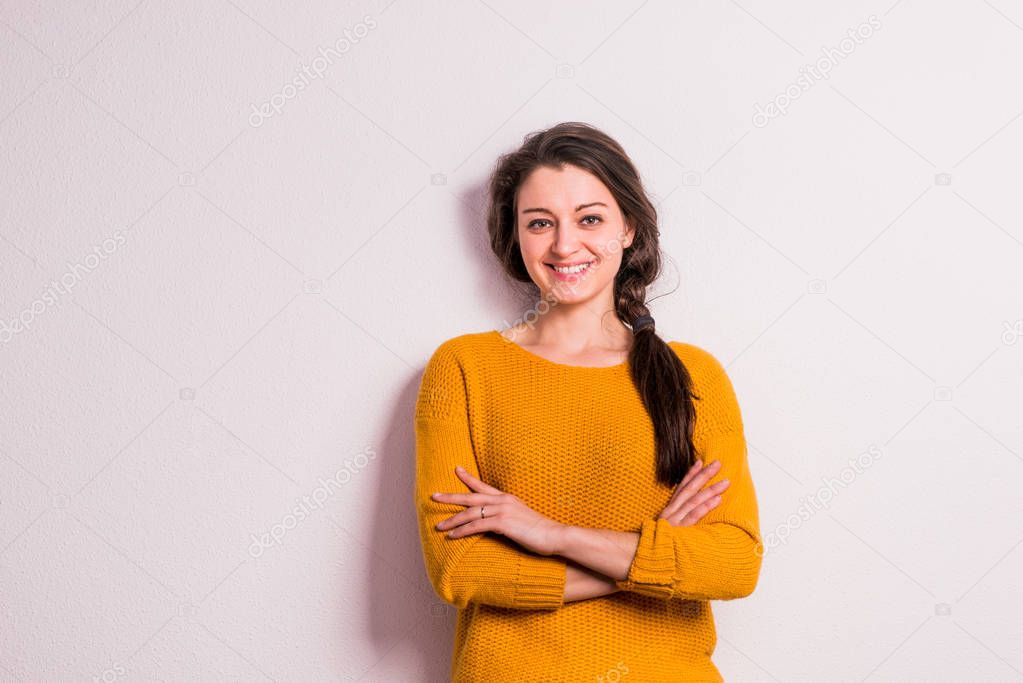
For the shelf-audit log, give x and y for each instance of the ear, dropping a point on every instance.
(630, 234)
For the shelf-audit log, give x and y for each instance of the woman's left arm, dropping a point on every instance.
(717, 559)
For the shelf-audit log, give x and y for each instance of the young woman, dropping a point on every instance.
(571, 471)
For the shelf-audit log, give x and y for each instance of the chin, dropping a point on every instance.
(564, 295)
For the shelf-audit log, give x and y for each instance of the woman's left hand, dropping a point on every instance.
(505, 515)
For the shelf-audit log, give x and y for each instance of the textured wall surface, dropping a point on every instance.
(232, 232)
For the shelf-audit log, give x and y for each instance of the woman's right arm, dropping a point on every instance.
(480, 568)
(484, 568)
(582, 583)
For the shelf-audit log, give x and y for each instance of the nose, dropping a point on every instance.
(566, 239)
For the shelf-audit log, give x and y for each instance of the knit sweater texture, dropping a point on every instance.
(577, 445)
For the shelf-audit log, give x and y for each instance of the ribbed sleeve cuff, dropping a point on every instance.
(503, 574)
(652, 571)
(713, 562)
(541, 583)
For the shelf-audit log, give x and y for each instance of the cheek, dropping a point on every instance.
(609, 246)
(531, 247)
(609, 268)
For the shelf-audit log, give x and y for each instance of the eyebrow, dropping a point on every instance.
(578, 208)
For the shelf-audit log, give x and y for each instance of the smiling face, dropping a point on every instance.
(571, 234)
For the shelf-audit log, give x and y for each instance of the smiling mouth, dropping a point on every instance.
(570, 270)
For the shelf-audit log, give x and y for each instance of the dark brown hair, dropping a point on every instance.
(657, 372)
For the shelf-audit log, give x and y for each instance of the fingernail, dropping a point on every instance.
(460, 468)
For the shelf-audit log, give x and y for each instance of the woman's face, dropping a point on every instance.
(567, 217)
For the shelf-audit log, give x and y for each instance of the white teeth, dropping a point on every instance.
(572, 269)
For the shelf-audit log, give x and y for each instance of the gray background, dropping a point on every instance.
(211, 310)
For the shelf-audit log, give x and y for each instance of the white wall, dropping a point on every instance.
(252, 299)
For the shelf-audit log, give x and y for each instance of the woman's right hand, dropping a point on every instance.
(689, 503)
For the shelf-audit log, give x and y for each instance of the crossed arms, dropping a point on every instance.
(716, 559)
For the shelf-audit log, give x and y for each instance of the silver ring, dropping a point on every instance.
(482, 513)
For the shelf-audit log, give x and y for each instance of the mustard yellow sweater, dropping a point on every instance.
(576, 445)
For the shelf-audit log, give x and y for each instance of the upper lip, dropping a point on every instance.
(569, 264)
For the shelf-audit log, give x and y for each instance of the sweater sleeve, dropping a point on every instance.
(481, 568)
(719, 557)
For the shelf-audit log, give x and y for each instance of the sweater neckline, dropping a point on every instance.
(546, 361)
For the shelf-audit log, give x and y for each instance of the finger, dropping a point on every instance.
(692, 472)
(693, 497)
(474, 527)
(465, 498)
(694, 485)
(700, 497)
(470, 514)
(700, 478)
(712, 490)
(475, 483)
(703, 476)
(697, 513)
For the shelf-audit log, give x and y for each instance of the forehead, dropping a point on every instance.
(567, 186)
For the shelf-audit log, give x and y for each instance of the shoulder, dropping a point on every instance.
(718, 407)
(460, 348)
(462, 355)
(442, 389)
(698, 361)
